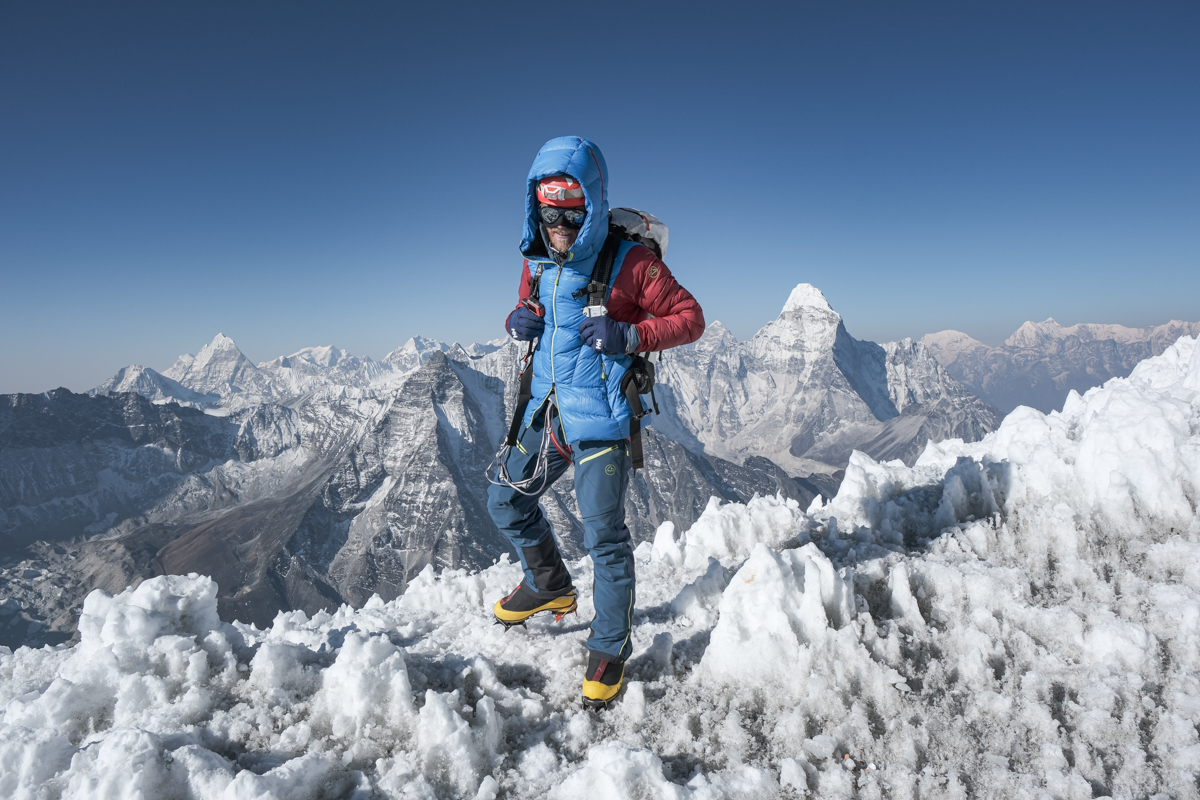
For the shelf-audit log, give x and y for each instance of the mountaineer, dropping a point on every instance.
(593, 299)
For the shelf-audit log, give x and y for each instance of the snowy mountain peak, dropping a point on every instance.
(804, 393)
(1031, 334)
(807, 324)
(413, 353)
(150, 384)
(716, 338)
(1041, 362)
(805, 296)
(219, 368)
(220, 349)
(324, 356)
(180, 367)
(946, 346)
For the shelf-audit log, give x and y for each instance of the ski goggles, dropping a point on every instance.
(571, 217)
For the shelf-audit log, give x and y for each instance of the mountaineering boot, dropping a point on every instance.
(546, 574)
(602, 681)
(523, 604)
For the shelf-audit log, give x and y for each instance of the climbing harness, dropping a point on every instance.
(524, 394)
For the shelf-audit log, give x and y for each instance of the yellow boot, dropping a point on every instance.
(523, 604)
(602, 681)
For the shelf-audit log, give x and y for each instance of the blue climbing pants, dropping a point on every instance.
(601, 478)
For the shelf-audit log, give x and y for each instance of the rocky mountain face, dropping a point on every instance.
(307, 506)
(73, 466)
(1042, 362)
(803, 393)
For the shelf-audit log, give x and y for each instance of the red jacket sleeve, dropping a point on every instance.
(523, 291)
(526, 279)
(645, 292)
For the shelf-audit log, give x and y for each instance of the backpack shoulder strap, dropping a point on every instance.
(597, 288)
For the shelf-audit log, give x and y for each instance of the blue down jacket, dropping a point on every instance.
(586, 384)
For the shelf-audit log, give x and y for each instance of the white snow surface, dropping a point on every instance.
(1017, 617)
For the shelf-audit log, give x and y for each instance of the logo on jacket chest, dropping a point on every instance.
(567, 286)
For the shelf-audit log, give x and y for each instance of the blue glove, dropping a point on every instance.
(604, 334)
(524, 325)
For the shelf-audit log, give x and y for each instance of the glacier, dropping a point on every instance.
(1013, 617)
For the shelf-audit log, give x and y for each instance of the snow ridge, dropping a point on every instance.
(1014, 617)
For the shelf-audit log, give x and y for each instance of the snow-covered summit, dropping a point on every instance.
(806, 326)
(805, 295)
(1037, 334)
(1032, 334)
(221, 379)
(414, 352)
(716, 337)
(219, 368)
(947, 345)
(324, 356)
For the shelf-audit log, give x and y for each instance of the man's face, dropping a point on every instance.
(561, 236)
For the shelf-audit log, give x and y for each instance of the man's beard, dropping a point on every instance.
(559, 256)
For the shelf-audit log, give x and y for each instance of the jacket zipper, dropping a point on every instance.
(553, 335)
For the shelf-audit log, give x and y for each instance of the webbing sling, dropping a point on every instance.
(524, 395)
(525, 385)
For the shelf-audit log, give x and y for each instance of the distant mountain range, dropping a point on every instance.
(1042, 362)
(804, 393)
(321, 477)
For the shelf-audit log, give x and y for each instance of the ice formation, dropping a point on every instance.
(1018, 617)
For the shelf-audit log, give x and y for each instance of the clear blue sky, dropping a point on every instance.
(297, 174)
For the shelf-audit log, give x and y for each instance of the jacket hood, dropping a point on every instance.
(583, 161)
